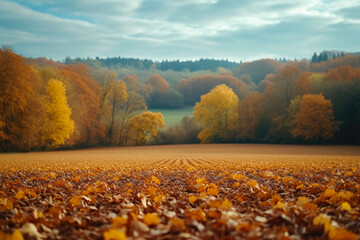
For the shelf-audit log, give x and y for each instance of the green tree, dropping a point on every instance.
(58, 123)
(218, 113)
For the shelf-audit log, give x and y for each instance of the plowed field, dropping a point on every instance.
(182, 192)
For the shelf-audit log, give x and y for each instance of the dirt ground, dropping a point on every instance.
(225, 191)
(184, 154)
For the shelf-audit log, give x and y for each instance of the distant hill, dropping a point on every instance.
(177, 65)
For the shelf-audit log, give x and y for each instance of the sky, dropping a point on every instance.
(236, 30)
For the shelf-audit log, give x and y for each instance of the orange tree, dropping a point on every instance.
(315, 118)
(21, 108)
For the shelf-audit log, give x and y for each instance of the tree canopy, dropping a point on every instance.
(58, 123)
(218, 113)
(145, 125)
(315, 118)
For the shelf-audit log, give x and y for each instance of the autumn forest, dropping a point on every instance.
(93, 102)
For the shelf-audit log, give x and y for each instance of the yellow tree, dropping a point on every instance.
(107, 79)
(134, 105)
(113, 96)
(218, 113)
(58, 123)
(145, 125)
(83, 97)
(117, 96)
(315, 118)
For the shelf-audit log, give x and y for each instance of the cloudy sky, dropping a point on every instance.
(179, 29)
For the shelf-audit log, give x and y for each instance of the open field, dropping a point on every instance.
(151, 156)
(174, 116)
(233, 191)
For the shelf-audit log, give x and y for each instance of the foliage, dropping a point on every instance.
(321, 58)
(176, 65)
(58, 123)
(268, 80)
(31, 118)
(185, 132)
(145, 125)
(114, 95)
(84, 101)
(315, 118)
(160, 94)
(257, 70)
(285, 83)
(345, 97)
(133, 84)
(292, 110)
(249, 111)
(347, 60)
(288, 83)
(217, 112)
(303, 65)
(343, 73)
(104, 99)
(21, 108)
(134, 105)
(157, 84)
(193, 88)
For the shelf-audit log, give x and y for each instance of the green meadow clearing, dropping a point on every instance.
(174, 116)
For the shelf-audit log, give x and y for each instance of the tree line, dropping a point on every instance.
(292, 104)
(175, 65)
(47, 105)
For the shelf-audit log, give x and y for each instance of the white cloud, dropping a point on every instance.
(170, 29)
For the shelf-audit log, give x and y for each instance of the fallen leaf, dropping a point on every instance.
(30, 228)
(119, 221)
(260, 219)
(76, 201)
(155, 180)
(151, 219)
(17, 235)
(20, 195)
(114, 234)
(192, 198)
(346, 206)
(302, 201)
(226, 205)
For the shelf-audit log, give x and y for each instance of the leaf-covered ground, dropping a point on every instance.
(182, 192)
